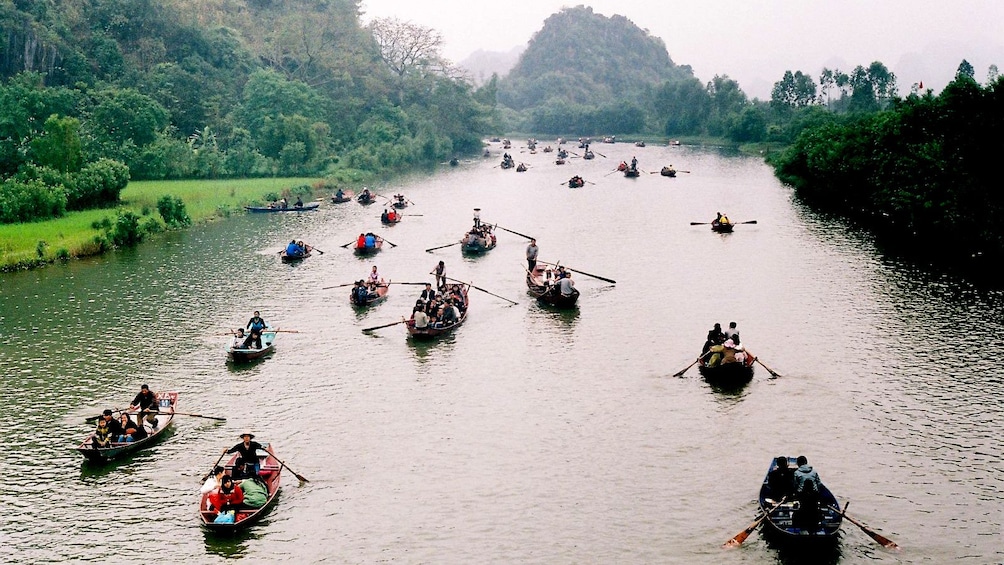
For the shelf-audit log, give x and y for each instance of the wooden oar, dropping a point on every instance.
(610, 173)
(684, 370)
(879, 538)
(367, 330)
(733, 223)
(337, 286)
(92, 419)
(611, 281)
(412, 214)
(349, 243)
(392, 244)
(769, 370)
(295, 474)
(600, 154)
(213, 467)
(200, 416)
(317, 250)
(414, 283)
(483, 290)
(739, 538)
(590, 182)
(430, 250)
(515, 232)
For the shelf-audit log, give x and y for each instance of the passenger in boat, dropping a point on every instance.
(714, 355)
(282, 203)
(361, 242)
(293, 249)
(420, 317)
(102, 437)
(213, 480)
(147, 404)
(255, 326)
(299, 202)
(807, 488)
(239, 338)
(360, 294)
(228, 497)
(729, 352)
(567, 285)
(715, 337)
(370, 241)
(385, 216)
(440, 272)
(392, 216)
(374, 279)
(428, 294)
(129, 431)
(255, 492)
(731, 331)
(339, 194)
(780, 479)
(450, 315)
(531, 255)
(246, 464)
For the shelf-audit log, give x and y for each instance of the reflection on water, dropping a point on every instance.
(528, 435)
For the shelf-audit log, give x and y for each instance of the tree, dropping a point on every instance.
(59, 146)
(406, 47)
(965, 70)
(796, 90)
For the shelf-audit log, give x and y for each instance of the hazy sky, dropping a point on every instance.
(752, 41)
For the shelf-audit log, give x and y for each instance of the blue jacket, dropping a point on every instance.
(370, 241)
(293, 249)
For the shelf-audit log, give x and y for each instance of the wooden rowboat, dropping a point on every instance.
(166, 402)
(369, 250)
(785, 524)
(576, 182)
(240, 354)
(287, 258)
(722, 227)
(477, 245)
(365, 198)
(631, 173)
(375, 296)
(346, 196)
(668, 172)
(549, 294)
(270, 471)
(433, 331)
(262, 209)
(727, 374)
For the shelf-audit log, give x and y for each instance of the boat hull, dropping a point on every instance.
(782, 525)
(240, 354)
(167, 402)
(271, 471)
(432, 332)
(265, 209)
(727, 374)
(374, 298)
(548, 295)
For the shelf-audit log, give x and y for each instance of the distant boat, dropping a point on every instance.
(305, 208)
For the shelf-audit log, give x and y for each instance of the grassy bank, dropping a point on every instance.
(34, 244)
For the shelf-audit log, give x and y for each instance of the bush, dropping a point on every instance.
(97, 184)
(40, 249)
(63, 254)
(172, 209)
(27, 201)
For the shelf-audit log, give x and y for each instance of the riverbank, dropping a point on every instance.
(78, 234)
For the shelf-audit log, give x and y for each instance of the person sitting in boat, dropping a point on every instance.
(306, 248)
(622, 166)
(715, 337)
(148, 406)
(299, 202)
(293, 249)
(385, 217)
(449, 316)
(239, 338)
(374, 278)
(339, 194)
(807, 488)
(781, 479)
(729, 352)
(730, 331)
(420, 317)
(246, 464)
(370, 241)
(472, 237)
(567, 285)
(360, 293)
(255, 492)
(428, 294)
(361, 242)
(392, 216)
(714, 355)
(130, 431)
(282, 203)
(228, 497)
(102, 437)
(213, 480)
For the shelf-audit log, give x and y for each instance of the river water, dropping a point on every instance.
(528, 436)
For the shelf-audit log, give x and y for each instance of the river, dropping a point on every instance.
(528, 436)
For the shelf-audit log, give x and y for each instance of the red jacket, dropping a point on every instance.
(218, 499)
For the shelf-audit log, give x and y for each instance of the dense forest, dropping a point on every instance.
(921, 172)
(95, 92)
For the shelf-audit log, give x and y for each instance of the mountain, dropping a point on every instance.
(481, 64)
(581, 57)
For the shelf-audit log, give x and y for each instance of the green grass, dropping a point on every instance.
(73, 234)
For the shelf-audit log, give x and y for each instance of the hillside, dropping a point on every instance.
(581, 61)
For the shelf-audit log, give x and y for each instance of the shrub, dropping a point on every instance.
(26, 201)
(97, 184)
(172, 209)
(63, 254)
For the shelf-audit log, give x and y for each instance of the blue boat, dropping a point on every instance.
(784, 523)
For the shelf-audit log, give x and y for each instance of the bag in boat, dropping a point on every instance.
(224, 517)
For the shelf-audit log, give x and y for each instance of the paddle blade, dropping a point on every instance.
(738, 539)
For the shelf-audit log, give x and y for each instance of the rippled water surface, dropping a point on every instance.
(528, 436)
